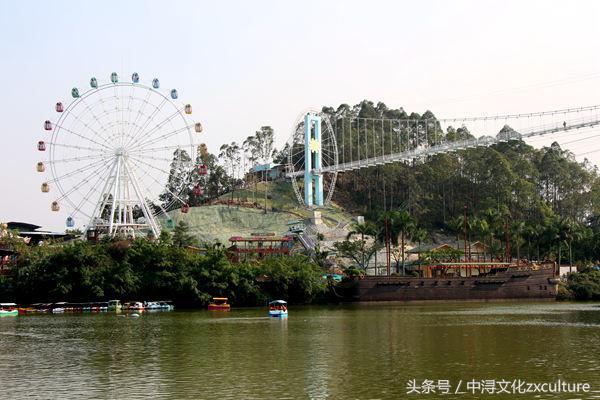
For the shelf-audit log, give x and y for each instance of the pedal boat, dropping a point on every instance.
(8, 309)
(278, 309)
(219, 304)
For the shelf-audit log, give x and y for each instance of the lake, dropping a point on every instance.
(373, 351)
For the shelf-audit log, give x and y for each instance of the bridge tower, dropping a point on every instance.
(312, 157)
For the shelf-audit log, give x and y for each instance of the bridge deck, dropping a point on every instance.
(449, 147)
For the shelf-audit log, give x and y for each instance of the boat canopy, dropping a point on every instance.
(220, 298)
(8, 305)
(278, 302)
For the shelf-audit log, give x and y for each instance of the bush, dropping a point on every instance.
(295, 278)
(353, 271)
(151, 270)
(563, 292)
(585, 285)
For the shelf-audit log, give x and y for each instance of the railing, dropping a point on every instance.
(450, 147)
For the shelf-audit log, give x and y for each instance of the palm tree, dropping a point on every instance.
(401, 223)
(495, 223)
(364, 229)
(419, 235)
(531, 233)
(572, 232)
(517, 232)
(560, 232)
(457, 226)
(482, 228)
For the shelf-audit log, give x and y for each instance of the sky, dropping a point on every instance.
(245, 64)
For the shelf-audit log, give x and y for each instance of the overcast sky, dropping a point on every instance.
(243, 64)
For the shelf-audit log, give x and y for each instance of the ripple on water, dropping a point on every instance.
(317, 353)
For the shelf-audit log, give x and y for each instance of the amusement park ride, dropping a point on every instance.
(112, 151)
(121, 154)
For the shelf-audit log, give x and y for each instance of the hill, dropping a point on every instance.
(245, 213)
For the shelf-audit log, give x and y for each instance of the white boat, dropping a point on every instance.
(151, 305)
(114, 305)
(159, 305)
(59, 308)
(8, 309)
(278, 308)
(166, 305)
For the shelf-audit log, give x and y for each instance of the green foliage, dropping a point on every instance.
(182, 236)
(585, 285)
(154, 270)
(296, 278)
(352, 272)
(177, 180)
(398, 226)
(563, 292)
(505, 185)
(358, 251)
(441, 255)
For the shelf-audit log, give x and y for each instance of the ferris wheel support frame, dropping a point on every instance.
(121, 205)
(150, 219)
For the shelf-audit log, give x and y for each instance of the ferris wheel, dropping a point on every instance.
(313, 159)
(119, 155)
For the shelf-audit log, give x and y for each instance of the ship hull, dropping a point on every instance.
(503, 285)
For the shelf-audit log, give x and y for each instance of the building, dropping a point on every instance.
(271, 171)
(259, 246)
(12, 234)
(450, 259)
(35, 234)
(476, 251)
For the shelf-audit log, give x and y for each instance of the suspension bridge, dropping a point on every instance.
(323, 145)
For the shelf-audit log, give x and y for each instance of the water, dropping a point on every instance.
(346, 352)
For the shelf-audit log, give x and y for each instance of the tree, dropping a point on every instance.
(482, 230)
(571, 232)
(281, 157)
(182, 236)
(260, 146)
(250, 149)
(518, 230)
(357, 250)
(561, 231)
(531, 234)
(319, 254)
(419, 235)
(230, 153)
(401, 224)
(165, 237)
(178, 181)
(362, 229)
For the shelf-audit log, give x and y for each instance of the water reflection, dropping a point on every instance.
(318, 352)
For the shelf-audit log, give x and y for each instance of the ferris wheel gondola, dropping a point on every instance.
(119, 155)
